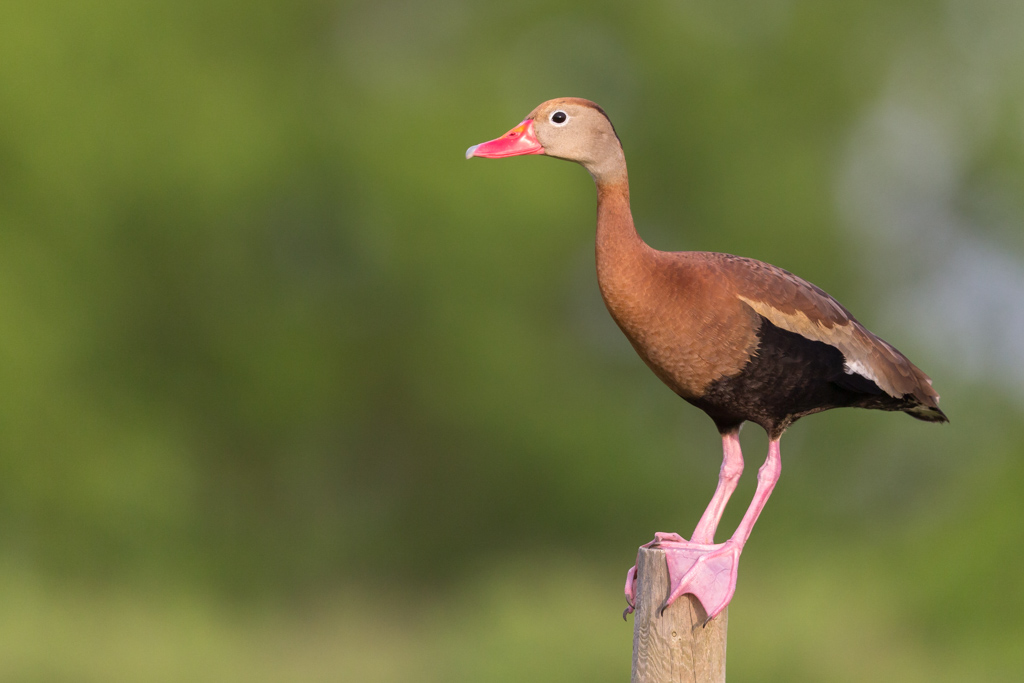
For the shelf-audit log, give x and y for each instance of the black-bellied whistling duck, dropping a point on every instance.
(740, 339)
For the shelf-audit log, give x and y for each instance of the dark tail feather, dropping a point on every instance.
(926, 413)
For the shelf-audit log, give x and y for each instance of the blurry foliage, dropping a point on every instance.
(263, 331)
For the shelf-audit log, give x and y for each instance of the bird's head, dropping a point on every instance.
(566, 128)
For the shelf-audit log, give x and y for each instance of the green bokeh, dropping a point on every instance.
(294, 392)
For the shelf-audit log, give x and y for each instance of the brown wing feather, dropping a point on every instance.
(797, 306)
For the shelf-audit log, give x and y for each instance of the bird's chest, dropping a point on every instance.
(688, 336)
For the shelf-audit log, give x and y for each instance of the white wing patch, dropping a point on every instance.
(857, 368)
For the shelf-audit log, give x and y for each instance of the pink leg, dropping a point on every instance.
(728, 477)
(709, 571)
(767, 476)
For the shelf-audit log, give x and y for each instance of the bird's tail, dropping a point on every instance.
(926, 413)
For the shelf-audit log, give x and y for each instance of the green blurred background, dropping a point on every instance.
(291, 391)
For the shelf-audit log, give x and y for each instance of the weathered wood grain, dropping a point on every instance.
(676, 646)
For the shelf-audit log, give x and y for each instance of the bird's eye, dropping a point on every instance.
(559, 118)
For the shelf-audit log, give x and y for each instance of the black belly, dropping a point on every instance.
(789, 376)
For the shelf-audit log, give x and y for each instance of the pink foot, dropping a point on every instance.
(707, 571)
(630, 589)
(701, 567)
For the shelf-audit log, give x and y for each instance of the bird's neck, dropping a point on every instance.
(617, 240)
(623, 259)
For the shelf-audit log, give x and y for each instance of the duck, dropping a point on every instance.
(742, 340)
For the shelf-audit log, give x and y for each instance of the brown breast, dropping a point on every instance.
(689, 328)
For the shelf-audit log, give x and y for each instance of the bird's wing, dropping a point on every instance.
(795, 305)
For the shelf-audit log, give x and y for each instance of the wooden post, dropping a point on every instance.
(675, 646)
